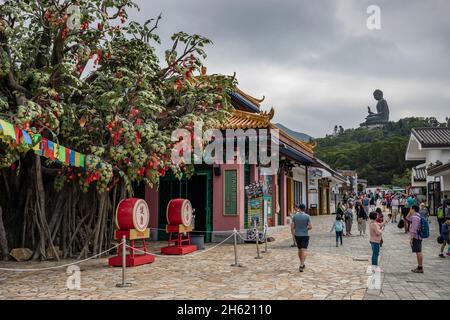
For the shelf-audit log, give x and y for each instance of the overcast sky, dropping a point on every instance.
(316, 61)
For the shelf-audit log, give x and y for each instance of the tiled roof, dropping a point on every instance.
(436, 169)
(243, 101)
(419, 174)
(432, 137)
(248, 120)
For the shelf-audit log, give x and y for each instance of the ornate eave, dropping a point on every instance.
(253, 100)
(248, 120)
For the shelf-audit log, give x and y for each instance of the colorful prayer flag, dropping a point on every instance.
(62, 154)
(8, 128)
(77, 159)
(26, 137)
(72, 158)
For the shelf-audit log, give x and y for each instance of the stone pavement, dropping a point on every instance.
(331, 273)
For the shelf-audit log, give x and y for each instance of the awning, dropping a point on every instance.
(295, 154)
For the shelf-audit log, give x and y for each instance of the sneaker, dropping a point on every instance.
(441, 255)
(417, 270)
(293, 245)
(301, 268)
(448, 254)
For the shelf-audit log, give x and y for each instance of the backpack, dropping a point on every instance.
(440, 213)
(424, 229)
(339, 226)
(348, 215)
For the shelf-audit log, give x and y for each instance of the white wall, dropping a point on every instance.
(435, 155)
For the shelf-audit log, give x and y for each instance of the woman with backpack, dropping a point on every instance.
(361, 216)
(338, 226)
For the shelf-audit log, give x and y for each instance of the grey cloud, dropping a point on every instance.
(311, 57)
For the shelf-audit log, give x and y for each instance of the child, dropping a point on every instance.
(338, 226)
(445, 236)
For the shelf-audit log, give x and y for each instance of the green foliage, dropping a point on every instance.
(123, 111)
(378, 154)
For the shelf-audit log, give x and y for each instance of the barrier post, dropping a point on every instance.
(265, 238)
(124, 264)
(236, 263)
(257, 242)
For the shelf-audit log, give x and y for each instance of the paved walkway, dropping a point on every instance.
(331, 273)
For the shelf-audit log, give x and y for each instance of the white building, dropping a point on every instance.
(432, 146)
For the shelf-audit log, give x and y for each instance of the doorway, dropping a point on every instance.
(198, 190)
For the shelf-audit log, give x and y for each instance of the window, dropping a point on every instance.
(298, 192)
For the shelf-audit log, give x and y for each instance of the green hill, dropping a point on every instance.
(378, 154)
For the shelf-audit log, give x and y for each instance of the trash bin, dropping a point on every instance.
(198, 240)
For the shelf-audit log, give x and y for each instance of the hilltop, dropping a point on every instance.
(377, 154)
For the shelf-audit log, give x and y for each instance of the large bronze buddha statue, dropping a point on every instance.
(382, 115)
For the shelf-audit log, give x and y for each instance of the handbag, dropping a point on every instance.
(401, 224)
(381, 242)
(440, 239)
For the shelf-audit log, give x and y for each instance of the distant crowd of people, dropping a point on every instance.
(405, 210)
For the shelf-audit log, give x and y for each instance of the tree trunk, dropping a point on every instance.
(3, 239)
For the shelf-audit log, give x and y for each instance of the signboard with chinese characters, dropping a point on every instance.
(230, 193)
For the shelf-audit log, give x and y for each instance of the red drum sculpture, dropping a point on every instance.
(132, 213)
(179, 218)
(132, 218)
(179, 211)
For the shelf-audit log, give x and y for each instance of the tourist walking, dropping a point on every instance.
(348, 217)
(375, 233)
(302, 225)
(338, 227)
(394, 209)
(402, 204)
(415, 239)
(410, 201)
(445, 237)
(296, 209)
(440, 216)
(340, 210)
(361, 216)
(366, 203)
(372, 202)
(423, 211)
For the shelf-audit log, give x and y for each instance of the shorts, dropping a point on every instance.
(302, 242)
(416, 245)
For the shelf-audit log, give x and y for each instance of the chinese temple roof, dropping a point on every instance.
(244, 101)
(247, 120)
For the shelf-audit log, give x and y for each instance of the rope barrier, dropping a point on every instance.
(190, 255)
(60, 266)
(206, 231)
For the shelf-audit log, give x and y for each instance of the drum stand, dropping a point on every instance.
(181, 244)
(132, 259)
